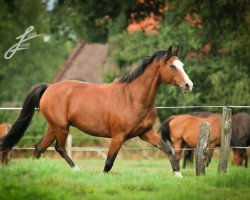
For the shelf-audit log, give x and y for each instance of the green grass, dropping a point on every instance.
(129, 179)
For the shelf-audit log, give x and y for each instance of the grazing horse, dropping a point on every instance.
(240, 138)
(4, 155)
(121, 110)
(183, 130)
(188, 154)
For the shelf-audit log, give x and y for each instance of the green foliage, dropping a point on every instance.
(34, 132)
(117, 25)
(128, 50)
(38, 63)
(95, 21)
(221, 76)
(87, 20)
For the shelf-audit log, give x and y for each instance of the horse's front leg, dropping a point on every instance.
(154, 139)
(116, 143)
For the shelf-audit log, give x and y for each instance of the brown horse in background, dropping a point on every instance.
(188, 155)
(183, 130)
(240, 138)
(4, 155)
(120, 110)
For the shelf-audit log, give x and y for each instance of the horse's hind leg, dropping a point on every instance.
(244, 157)
(44, 143)
(210, 155)
(188, 157)
(153, 138)
(246, 161)
(61, 137)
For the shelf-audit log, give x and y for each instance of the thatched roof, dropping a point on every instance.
(84, 63)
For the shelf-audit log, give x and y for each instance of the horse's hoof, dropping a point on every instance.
(178, 174)
(75, 168)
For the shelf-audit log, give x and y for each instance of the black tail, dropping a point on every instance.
(21, 124)
(165, 131)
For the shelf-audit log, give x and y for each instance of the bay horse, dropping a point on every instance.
(4, 155)
(240, 138)
(121, 110)
(183, 130)
(188, 155)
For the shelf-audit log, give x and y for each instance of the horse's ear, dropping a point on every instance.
(176, 51)
(169, 51)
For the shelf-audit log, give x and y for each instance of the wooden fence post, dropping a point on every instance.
(201, 152)
(69, 145)
(226, 133)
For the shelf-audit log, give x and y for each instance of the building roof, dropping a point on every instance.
(84, 63)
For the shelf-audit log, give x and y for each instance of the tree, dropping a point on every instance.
(215, 46)
(37, 64)
(92, 21)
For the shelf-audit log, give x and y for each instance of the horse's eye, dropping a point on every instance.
(173, 66)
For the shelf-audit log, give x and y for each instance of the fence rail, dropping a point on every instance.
(100, 149)
(188, 107)
(122, 149)
(158, 107)
(97, 149)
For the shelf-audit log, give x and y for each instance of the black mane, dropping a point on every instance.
(139, 70)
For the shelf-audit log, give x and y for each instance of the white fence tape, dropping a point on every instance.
(100, 149)
(97, 149)
(158, 107)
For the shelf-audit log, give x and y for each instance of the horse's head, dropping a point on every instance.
(172, 71)
(239, 155)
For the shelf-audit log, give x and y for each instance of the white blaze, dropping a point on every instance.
(179, 65)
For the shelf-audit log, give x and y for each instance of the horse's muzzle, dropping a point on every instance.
(185, 88)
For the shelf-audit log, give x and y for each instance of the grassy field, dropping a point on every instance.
(129, 179)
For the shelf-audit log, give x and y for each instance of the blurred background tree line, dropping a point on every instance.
(214, 39)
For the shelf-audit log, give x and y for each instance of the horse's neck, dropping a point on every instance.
(144, 88)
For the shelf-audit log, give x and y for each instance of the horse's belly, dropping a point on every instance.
(91, 125)
(191, 140)
(96, 133)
